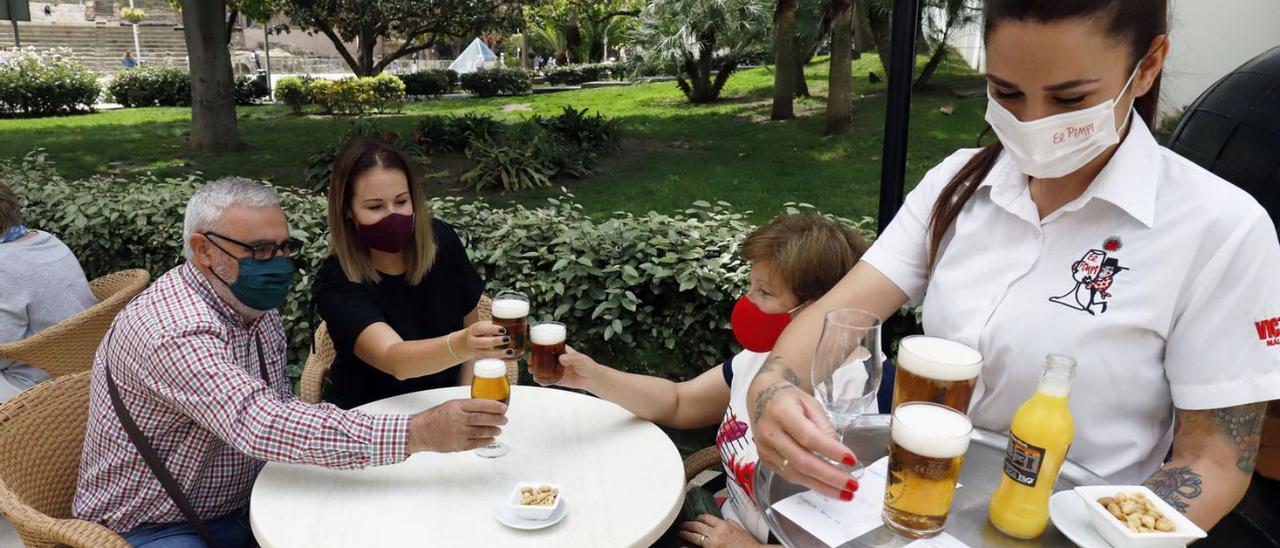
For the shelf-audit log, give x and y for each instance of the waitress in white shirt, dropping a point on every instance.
(1074, 233)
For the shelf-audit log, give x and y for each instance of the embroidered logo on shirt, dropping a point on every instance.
(1269, 331)
(1093, 274)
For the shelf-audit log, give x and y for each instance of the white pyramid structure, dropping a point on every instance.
(477, 56)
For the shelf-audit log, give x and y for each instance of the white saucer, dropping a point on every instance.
(507, 517)
(1067, 511)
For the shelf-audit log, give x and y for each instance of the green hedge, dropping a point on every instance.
(653, 290)
(497, 81)
(381, 93)
(250, 91)
(430, 83)
(151, 86)
(573, 75)
(43, 83)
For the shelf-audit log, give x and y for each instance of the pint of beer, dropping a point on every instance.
(936, 370)
(511, 311)
(926, 448)
(490, 383)
(544, 356)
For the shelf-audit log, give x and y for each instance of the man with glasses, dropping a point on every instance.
(189, 392)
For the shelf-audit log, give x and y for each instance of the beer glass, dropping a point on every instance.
(511, 311)
(547, 346)
(845, 375)
(490, 383)
(936, 370)
(927, 443)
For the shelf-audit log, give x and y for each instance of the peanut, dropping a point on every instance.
(1137, 513)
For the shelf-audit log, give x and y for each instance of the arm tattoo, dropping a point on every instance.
(791, 376)
(1176, 486)
(767, 394)
(1241, 425)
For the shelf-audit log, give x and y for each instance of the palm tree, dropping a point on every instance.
(703, 37)
(785, 60)
(839, 92)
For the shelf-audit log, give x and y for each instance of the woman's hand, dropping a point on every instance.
(790, 427)
(713, 532)
(578, 369)
(486, 340)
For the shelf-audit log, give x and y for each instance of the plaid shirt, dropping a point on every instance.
(187, 368)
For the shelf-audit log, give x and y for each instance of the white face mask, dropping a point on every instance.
(1057, 145)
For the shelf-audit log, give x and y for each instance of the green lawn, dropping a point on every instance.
(675, 153)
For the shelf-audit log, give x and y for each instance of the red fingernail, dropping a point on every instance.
(851, 485)
(849, 460)
(846, 496)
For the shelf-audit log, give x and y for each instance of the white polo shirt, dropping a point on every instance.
(1162, 280)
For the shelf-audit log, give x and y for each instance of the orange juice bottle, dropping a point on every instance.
(1039, 438)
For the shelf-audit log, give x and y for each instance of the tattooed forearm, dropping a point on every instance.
(791, 376)
(1177, 486)
(767, 394)
(1240, 425)
(774, 365)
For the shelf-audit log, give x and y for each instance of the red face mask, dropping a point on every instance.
(389, 234)
(755, 329)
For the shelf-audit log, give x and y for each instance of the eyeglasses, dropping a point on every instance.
(263, 251)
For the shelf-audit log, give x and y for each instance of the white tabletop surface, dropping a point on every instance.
(622, 482)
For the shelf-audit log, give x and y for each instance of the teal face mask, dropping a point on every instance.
(262, 284)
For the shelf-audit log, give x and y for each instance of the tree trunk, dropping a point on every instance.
(231, 24)
(839, 98)
(785, 60)
(862, 37)
(572, 41)
(213, 102)
(365, 54)
(881, 23)
(935, 60)
(802, 60)
(702, 85)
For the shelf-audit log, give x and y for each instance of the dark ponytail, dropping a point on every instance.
(1138, 22)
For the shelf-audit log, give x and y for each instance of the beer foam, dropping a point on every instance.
(490, 368)
(510, 309)
(930, 430)
(547, 334)
(939, 359)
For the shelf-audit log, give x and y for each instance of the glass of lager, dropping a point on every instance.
(927, 443)
(544, 355)
(936, 370)
(511, 312)
(490, 383)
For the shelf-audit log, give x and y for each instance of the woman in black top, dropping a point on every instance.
(397, 292)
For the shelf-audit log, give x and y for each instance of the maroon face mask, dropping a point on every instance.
(389, 235)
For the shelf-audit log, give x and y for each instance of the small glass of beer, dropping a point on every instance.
(936, 370)
(927, 443)
(544, 355)
(511, 312)
(490, 383)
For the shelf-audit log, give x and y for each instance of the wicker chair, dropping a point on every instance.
(316, 371)
(41, 434)
(700, 461)
(68, 347)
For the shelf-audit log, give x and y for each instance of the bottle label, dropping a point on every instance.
(1022, 461)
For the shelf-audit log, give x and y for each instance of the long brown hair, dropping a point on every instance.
(355, 158)
(1138, 22)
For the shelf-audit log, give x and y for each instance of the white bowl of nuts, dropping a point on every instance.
(535, 501)
(1131, 516)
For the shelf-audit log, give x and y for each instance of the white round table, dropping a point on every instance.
(622, 482)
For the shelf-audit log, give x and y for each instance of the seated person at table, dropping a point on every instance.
(41, 284)
(794, 260)
(198, 361)
(398, 292)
